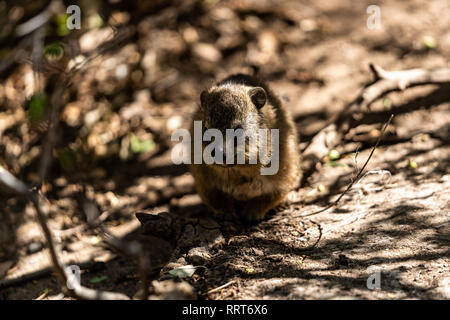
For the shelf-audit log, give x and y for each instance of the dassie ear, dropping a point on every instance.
(258, 96)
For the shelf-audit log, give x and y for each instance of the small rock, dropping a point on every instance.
(174, 123)
(121, 72)
(72, 114)
(91, 39)
(190, 35)
(207, 52)
(444, 287)
(188, 237)
(275, 257)
(198, 256)
(258, 252)
(170, 290)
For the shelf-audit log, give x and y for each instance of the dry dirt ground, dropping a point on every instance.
(394, 224)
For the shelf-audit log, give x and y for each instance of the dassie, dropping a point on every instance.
(243, 102)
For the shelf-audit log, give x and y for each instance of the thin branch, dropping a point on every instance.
(19, 52)
(68, 284)
(39, 20)
(360, 172)
(68, 232)
(67, 281)
(4, 283)
(388, 81)
(229, 283)
(51, 137)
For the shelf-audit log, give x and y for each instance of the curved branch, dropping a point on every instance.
(388, 81)
(385, 81)
(68, 283)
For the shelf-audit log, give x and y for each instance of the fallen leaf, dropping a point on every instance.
(183, 272)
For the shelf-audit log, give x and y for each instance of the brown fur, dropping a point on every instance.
(241, 189)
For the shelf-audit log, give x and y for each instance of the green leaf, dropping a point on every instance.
(412, 164)
(45, 291)
(139, 146)
(98, 279)
(37, 106)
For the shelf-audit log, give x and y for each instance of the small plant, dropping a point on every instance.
(139, 146)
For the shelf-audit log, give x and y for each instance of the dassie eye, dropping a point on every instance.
(258, 96)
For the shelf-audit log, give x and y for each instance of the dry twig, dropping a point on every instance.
(384, 82)
(229, 283)
(359, 174)
(68, 283)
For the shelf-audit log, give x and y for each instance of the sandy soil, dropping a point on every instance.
(393, 225)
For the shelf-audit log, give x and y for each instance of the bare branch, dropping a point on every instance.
(229, 283)
(68, 232)
(388, 81)
(35, 26)
(19, 53)
(68, 284)
(385, 81)
(40, 20)
(56, 104)
(359, 174)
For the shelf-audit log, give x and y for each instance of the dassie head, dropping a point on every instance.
(232, 107)
(238, 102)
